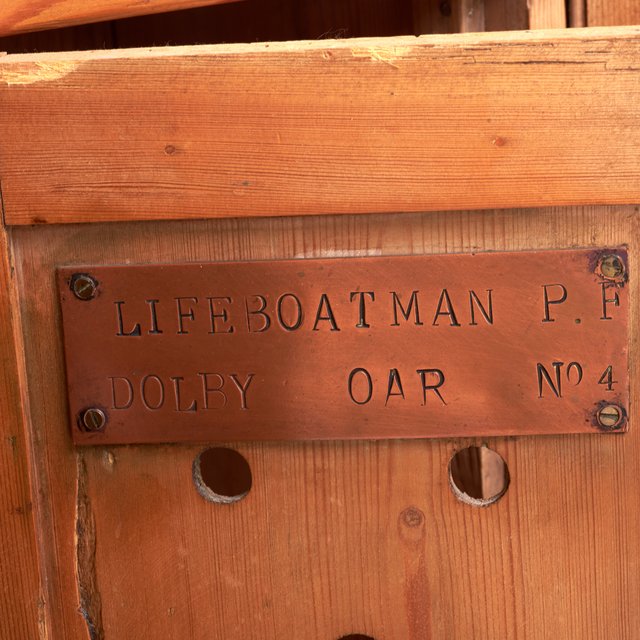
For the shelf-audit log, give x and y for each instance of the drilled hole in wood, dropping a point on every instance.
(478, 476)
(356, 636)
(221, 475)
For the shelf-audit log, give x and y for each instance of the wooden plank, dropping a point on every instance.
(506, 15)
(436, 16)
(577, 13)
(21, 16)
(547, 14)
(22, 605)
(441, 122)
(334, 538)
(472, 16)
(612, 12)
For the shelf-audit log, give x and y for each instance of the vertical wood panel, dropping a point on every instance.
(612, 12)
(436, 16)
(547, 14)
(21, 604)
(472, 18)
(506, 15)
(577, 16)
(338, 537)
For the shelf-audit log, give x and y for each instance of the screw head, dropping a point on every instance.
(84, 287)
(94, 419)
(611, 267)
(609, 416)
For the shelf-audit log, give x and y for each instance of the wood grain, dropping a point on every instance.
(547, 14)
(577, 13)
(20, 16)
(612, 12)
(22, 607)
(335, 537)
(437, 16)
(472, 18)
(440, 122)
(506, 15)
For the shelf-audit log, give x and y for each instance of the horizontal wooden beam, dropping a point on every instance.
(22, 16)
(402, 124)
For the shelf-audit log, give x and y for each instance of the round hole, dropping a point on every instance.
(221, 475)
(478, 476)
(356, 636)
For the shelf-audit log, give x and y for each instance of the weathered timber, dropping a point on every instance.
(400, 124)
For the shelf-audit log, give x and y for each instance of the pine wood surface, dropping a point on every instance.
(547, 14)
(335, 537)
(20, 16)
(612, 12)
(472, 16)
(444, 122)
(21, 603)
(506, 15)
(437, 16)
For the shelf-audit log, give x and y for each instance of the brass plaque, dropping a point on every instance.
(383, 347)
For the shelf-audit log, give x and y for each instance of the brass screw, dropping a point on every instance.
(94, 419)
(611, 267)
(609, 416)
(84, 287)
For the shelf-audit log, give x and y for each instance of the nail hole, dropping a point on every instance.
(221, 475)
(356, 636)
(478, 476)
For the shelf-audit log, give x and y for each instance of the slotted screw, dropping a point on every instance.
(609, 416)
(84, 287)
(94, 419)
(611, 267)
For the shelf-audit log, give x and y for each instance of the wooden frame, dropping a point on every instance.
(334, 537)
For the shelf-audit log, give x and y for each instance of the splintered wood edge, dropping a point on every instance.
(514, 119)
(446, 41)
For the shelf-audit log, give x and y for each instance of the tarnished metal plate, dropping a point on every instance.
(384, 347)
